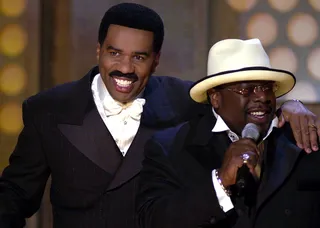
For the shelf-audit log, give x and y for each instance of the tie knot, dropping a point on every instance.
(133, 109)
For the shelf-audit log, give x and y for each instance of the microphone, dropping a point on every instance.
(250, 131)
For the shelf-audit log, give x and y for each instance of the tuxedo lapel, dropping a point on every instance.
(93, 139)
(206, 147)
(79, 121)
(132, 162)
(280, 159)
(220, 143)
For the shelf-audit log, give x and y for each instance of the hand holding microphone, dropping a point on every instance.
(240, 158)
(250, 131)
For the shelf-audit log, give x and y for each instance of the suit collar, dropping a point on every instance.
(168, 102)
(282, 155)
(94, 141)
(203, 129)
(157, 109)
(73, 101)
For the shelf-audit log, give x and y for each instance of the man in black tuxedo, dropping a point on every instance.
(90, 134)
(191, 173)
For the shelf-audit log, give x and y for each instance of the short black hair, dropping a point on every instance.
(136, 16)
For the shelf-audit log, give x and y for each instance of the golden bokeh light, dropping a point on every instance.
(12, 8)
(13, 79)
(315, 4)
(283, 58)
(13, 40)
(313, 63)
(11, 118)
(305, 91)
(242, 5)
(264, 27)
(283, 6)
(302, 29)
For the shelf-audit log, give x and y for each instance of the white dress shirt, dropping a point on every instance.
(122, 122)
(220, 126)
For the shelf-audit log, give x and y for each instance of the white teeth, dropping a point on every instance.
(257, 113)
(123, 83)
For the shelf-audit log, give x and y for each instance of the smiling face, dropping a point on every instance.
(126, 61)
(245, 102)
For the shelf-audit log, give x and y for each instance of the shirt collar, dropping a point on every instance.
(221, 126)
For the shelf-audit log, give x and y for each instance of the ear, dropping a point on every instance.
(98, 51)
(156, 61)
(215, 98)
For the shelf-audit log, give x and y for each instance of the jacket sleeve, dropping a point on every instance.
(164, 200)
(22, 182)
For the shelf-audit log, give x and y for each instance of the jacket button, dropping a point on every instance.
(288, 212)
(213, 220)
(240, 212)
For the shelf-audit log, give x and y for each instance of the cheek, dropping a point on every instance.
(239, 107)
(106, 62)
(143, 70)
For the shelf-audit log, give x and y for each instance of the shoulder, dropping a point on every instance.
(56, 93)
(168, 85)
(52, 97)
(170, 81)
(175, 137)
(64, 96)
(168, 100)
(166, 138)
(60, 97)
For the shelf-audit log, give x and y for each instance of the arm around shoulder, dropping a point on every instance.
(23, 181)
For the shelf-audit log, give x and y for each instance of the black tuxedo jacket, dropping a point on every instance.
(93, 185)
(176, 188)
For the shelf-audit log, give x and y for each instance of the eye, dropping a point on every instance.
(267, 87)
(114, 53)
(139, 57)
(244, 91)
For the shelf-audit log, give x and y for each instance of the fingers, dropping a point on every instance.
(309, 132)
(318, 130)
(305, 135)
(250, 159)
(304, 124)
(312, 128)
(234, 158)
(296, 130)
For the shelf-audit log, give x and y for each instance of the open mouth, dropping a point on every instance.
(123, 82)
(123, 85)
(259, 116)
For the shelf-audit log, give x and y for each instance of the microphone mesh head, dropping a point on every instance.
(251, 131)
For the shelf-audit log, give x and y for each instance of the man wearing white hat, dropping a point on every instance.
(232, 167)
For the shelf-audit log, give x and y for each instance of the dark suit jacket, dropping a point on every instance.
(63, 135)
(176, 188)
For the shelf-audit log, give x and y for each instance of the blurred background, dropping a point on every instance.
(48, 42)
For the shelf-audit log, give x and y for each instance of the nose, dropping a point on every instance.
(261, 96)
(125, 65)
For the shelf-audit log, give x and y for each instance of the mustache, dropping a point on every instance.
(131, 76)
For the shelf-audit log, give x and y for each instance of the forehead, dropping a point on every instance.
(130, 39)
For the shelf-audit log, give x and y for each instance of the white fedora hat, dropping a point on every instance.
(234, 60)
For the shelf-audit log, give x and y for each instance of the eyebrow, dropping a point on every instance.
(110, 47)
(113, 48)
(141, 53)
